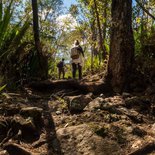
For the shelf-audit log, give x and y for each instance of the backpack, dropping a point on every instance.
(75, 53)
(60, 64)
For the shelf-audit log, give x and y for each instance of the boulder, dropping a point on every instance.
(82, 140)
(138, 103)
(27, 126)
(78, 103)
(95, 104)
(31, 112)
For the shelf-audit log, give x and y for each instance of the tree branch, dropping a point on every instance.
(153, 17)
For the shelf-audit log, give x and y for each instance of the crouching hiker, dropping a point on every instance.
(61, 68)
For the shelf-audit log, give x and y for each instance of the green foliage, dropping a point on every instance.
(92, 67)
(74, 10)
(11, 44)
(4, 22)
(2, 87)
(10, 35)
(143, 26)
(52, 68)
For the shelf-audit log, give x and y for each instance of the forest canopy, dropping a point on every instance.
(30, 49)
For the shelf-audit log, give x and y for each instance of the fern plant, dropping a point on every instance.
(11, 36)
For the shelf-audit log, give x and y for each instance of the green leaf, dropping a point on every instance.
(5, 21)
(1, 88)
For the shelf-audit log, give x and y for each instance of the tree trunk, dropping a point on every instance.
(36, 26)
(104, 26)
(1, 10)
(121, 46)
(42, 69)
(142, 35)
(105, 17)
(101, 48)
(94, 51)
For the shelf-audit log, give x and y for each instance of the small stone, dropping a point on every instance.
(66, 125)
(4, 152)
(125, 95)
(139, 132)
(153, 128)
(58, 112)
(102, 95)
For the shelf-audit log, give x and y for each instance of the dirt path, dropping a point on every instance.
(40, 123)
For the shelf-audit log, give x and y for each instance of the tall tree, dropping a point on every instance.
(1, 10)
(42, 64)
(121, 46)
(36, 25)
(101, 48)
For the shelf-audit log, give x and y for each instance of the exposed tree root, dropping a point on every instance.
(15, 149)
(84, 87)
(148, 148)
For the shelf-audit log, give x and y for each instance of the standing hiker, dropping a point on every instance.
(77, 56)
(61, 68)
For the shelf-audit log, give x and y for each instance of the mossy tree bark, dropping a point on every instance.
(121, 46)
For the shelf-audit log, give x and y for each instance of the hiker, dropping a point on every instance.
(77, 56)
(61, 69)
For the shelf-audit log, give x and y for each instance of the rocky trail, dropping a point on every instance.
(76, 122)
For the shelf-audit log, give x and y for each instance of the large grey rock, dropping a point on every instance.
(35, 113)
(78, 103)
(81, 140)
(95, 104)
(110, 104)
(138, 103)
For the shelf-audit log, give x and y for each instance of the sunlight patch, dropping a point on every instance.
(67, 22)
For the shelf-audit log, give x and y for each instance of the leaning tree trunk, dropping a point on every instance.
(121, 46)
(42, 68)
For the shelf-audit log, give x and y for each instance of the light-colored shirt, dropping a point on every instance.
(78, 60)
